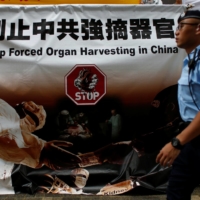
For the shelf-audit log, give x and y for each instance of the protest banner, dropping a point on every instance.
(78, 84)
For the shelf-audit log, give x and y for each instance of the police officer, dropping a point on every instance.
(183, 152)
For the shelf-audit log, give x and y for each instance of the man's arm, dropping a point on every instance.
(191, 131)
(168, 153)
(109, 121)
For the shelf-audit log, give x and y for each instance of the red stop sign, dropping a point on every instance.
(85, 84)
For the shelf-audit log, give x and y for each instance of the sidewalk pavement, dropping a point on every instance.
(195, 196)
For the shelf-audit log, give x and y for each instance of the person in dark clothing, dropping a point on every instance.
(183, 152)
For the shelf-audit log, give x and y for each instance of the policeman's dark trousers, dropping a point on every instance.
(185, 174)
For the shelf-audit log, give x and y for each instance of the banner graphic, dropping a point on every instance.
(85, 90)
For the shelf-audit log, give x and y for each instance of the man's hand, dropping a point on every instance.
(55, 157)
(167, 155)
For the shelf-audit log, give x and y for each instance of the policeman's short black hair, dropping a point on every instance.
(189, 14)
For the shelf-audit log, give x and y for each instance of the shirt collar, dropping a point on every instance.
(185, 61)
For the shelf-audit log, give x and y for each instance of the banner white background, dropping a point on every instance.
(134, 79)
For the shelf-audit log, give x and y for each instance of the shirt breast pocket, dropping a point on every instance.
(184, 92)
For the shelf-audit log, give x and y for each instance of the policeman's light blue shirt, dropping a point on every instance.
(187, 107)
